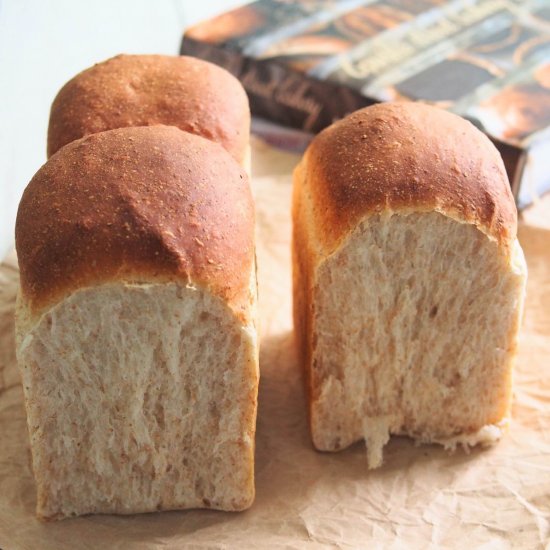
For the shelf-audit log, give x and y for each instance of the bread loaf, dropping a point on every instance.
(408, 280)
(145, 90)
(136, 325)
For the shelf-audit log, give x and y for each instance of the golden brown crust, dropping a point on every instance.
(406, 157)
(302, 307)
(146, 90)
(137, 204)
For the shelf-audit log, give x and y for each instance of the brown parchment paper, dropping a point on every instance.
(421, 498)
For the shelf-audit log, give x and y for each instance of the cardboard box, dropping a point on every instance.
(305, 64)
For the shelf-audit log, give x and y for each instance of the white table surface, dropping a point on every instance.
(44, 43)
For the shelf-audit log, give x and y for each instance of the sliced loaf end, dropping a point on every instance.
(413, 331)
(126, 418)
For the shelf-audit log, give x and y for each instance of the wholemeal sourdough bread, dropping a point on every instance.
(408, 280)
(136, 325)
(145, 90)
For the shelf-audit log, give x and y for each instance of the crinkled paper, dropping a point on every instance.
(422, 497)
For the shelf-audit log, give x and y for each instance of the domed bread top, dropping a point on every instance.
(405, 157)
(140, 204)
(145, 90)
